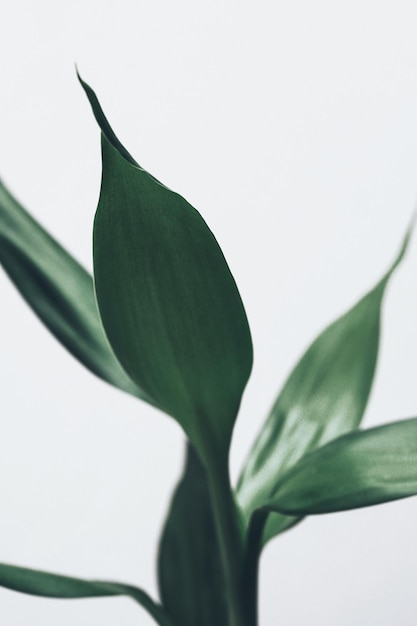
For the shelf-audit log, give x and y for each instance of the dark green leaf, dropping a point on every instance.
(49, 585)
(359, 469)
(324, 397)
(59, 290)
(189, 564)
(167, 299)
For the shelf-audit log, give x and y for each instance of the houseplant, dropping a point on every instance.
(170, 329)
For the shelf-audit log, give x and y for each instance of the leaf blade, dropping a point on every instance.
(325, 395)
(167, 299)
(59, 290)
(190, 572)
(46, 584)
(361, 468)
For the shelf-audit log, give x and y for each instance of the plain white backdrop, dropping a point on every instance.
(292, 127)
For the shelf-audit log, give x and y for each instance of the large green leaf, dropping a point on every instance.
(49, 585)
(324, 397)
(359, 469)
(59, 290)
(189, 565)
(168, 302)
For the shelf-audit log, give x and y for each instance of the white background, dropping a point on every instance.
(292, 127)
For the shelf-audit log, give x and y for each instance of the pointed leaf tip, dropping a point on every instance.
(404, 246)
(103, 122)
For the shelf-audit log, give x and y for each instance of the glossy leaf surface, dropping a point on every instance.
(59, 290)
(49, 585)
(359, 469)
(189, 565)
(324, 397)
(167, 299)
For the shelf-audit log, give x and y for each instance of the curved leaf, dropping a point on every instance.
(59, 290)
(189, 564)
(168, 302)
(324, 397)
(360, 469)
(49, 585)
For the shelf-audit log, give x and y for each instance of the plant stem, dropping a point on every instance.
(251, 564)
(231, 542)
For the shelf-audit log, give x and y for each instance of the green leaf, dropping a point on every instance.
(189, 564)
(48, 585)
(59, 290)
(324, 397)
(168, 302)
(360, 469)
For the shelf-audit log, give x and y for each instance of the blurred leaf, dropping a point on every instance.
(189, 565)
(59, 290)
(167, 299)
(359, 469)
(324, 397)
(49, 585)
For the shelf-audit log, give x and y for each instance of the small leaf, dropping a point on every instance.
(324, 397)
(360, 469)
(189, 565)
(59, 290)
(168, 302)
(48, 585)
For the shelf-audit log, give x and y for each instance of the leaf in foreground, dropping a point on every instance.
(49, 585)
(325, 396)
(168, 302)
(189, 564)
(360, 469)
(59, 290)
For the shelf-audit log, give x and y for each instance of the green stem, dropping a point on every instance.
(230, 539)
(251, 564)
